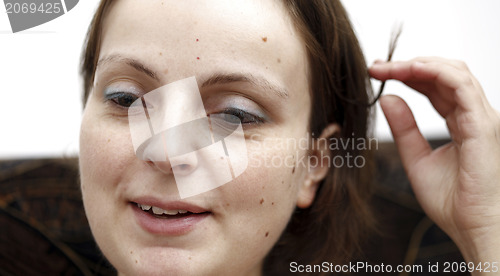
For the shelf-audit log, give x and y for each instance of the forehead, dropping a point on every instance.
(190, 37)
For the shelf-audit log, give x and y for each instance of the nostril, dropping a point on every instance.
(163, 166)
(150, 163)
(183, 169)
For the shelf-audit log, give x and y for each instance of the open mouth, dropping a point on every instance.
(158, 212)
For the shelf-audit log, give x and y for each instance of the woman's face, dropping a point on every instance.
(262, 67)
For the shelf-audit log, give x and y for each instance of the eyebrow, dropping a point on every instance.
(134, 63)
(220, 78)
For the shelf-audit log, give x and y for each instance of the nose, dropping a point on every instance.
(156, 154)
(162, 128)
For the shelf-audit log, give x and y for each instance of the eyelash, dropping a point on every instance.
(244, 116)
(117, 96)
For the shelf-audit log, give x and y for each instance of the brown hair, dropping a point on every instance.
(339, 218)
(333, 227)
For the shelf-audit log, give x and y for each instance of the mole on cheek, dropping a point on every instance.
(267, 234)
(264, 39)
(261, 201)
(279, 60)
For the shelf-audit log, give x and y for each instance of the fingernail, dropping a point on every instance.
(387, 100)
(378, 61)
(419, 64)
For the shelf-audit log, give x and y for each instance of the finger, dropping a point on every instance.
(450, 82)
(443, 104)
(412, 146)
(458, 64)
(453, 62)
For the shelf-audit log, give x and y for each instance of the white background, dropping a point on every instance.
(40, 88)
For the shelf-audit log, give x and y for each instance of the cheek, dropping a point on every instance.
(264, 196)
(258, 205)
(271, 174)
(104, 154)
(105, 146)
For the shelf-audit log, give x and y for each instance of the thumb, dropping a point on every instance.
(412, 146)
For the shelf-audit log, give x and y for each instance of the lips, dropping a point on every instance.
(168, 218)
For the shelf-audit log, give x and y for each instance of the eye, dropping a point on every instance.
(235, 116)
(122, 99)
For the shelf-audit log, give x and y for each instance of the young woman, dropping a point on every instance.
(289, 70)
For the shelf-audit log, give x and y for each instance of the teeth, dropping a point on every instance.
(160, 211)
(171, 212)
(144, 207)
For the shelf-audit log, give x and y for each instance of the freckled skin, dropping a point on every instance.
(111, 174)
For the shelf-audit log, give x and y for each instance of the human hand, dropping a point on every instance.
(458, 184)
